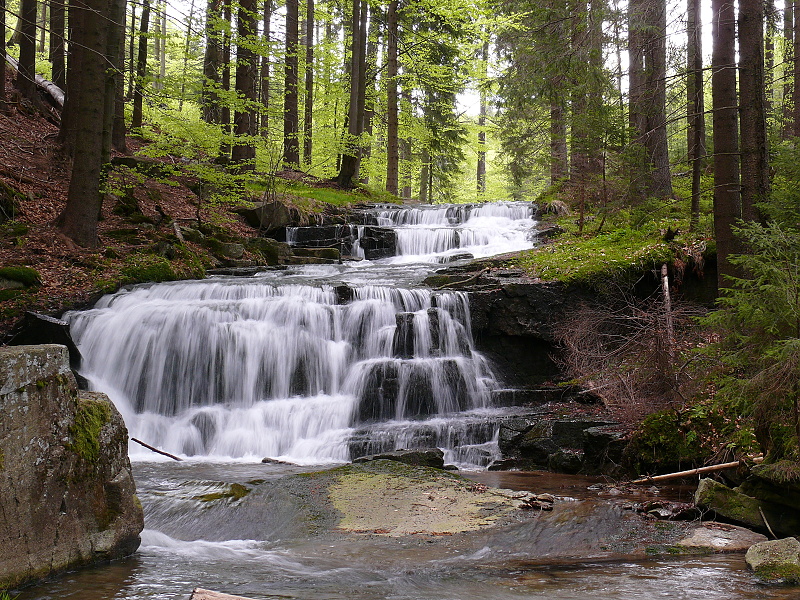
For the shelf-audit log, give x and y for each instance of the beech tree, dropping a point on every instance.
(244, 150)
(695, 105)
(141, 66)
(25, 81)
(392, 104)
(291, 122)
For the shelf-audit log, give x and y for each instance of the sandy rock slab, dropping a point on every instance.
(721, 537)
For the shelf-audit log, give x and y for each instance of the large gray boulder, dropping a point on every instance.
(775, 560)
(67, 495)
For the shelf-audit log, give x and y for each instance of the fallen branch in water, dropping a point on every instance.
(690, 472)
(156, 450)
(465, 281)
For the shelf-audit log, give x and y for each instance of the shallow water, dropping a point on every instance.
(498, 564)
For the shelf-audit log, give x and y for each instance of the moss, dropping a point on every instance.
(146, 268)
(9, 294)
(25, 275)
(786, 573)
(85, 431)
(11, 229)
(234, 492)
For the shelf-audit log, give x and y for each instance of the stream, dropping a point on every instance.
(315, 365)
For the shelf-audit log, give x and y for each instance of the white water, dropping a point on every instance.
(280, 365)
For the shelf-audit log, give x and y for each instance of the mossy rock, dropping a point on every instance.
(776, 561)
(92, 414)
(274, 252)
(662, 444)
(729, 504)
(26, 276)
(9, 202)
(234, 492)
(145, 268)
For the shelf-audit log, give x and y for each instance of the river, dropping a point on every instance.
(314, 365)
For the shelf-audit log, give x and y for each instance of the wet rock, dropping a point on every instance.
(274, 252)
(776, 560)
(67, 495)
(269, 216)
(565, 461)
(424, 457)
(378, 242)
(602, 447)
(720, 537)
(670, 511)
(326, 253)
(40, 329)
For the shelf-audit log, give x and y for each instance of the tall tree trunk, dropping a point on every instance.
(3, 106)
(392, 105)
(291, 143)
(244, 150)
(189, 24)
(406, 147)
(558, 142)
(370, 70)
(695, 107)
(753, 107)
(132, 53)
(141, 66)
(116, 51)
(308, 109)
(57, 25)
(350, 158)
(89, 46)
(225, 107)
(114, 43)
(796, 72)
(424, 177)
(480, 175)
(264, 121)
(788, 66)
(727, 201)
(212, 57)
(162, 64)
(769, 53)
(157, 8)
(26, 82)
(648, 31)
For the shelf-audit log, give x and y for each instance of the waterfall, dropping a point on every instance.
(252, 367)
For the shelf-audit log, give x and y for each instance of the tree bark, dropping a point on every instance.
(225, 107)
(114, 110)
(3, 106)
(753, 108)
(796, 72)
(141, 66)
(291, 143)
(25, 81)
(42, 25)
(392, 104)
(350, 158)
(558, 142)
(695, 107)
(57, 24)
(788, 69)
(727, 201)
(189, 23)
(480, 175)
(244, 150)
(648, 33)
(264, 121)
(131, 53)
(90, 43)
(209, 99)
(308, 108)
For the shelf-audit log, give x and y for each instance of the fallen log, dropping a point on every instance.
(691, 472)
(55, 92)
(156, 450)
(201, 594)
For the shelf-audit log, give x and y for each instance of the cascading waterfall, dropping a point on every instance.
(250, 368)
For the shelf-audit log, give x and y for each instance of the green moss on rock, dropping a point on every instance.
(25, 275)
(85, 431)
(234, 492)
(147, 267)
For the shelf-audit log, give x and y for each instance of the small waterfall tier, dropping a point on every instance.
(428, 233)
(258, 367)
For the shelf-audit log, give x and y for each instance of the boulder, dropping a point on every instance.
(274, 252)
(729, 504)
(67, 495)
(721, 537)
(776, 560)
(424, 457)
(41, 329)
(269, 216)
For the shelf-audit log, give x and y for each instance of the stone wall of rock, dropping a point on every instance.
(67, 495)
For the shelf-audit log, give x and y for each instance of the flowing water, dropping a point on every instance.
(314, 365)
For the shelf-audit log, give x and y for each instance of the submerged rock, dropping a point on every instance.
(67, 495)
(721, 537)
(776, 560)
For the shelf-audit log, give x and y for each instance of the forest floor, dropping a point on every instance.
(34, 183)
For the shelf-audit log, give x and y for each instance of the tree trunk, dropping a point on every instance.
(558, 142)
(162, 65)
(480, 174)
(264, 121)
(788, 66)
(209, 99)
(189, 23)
(424, 177)
(42, 25)
(131, 53)
(350, 158)
(3, 106)
(89, 45)
(157, 8)
(648, 32)
(141, 66)
(244, 150)
(769, 53)
(796, 71)
(26, 82)
(753, 108)
(115, 82)
(225, 107)
(695, 107)
(406, 144)
(291, 143)
(727, 201)
(392, 105)
(57, 25)
(308, 112)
